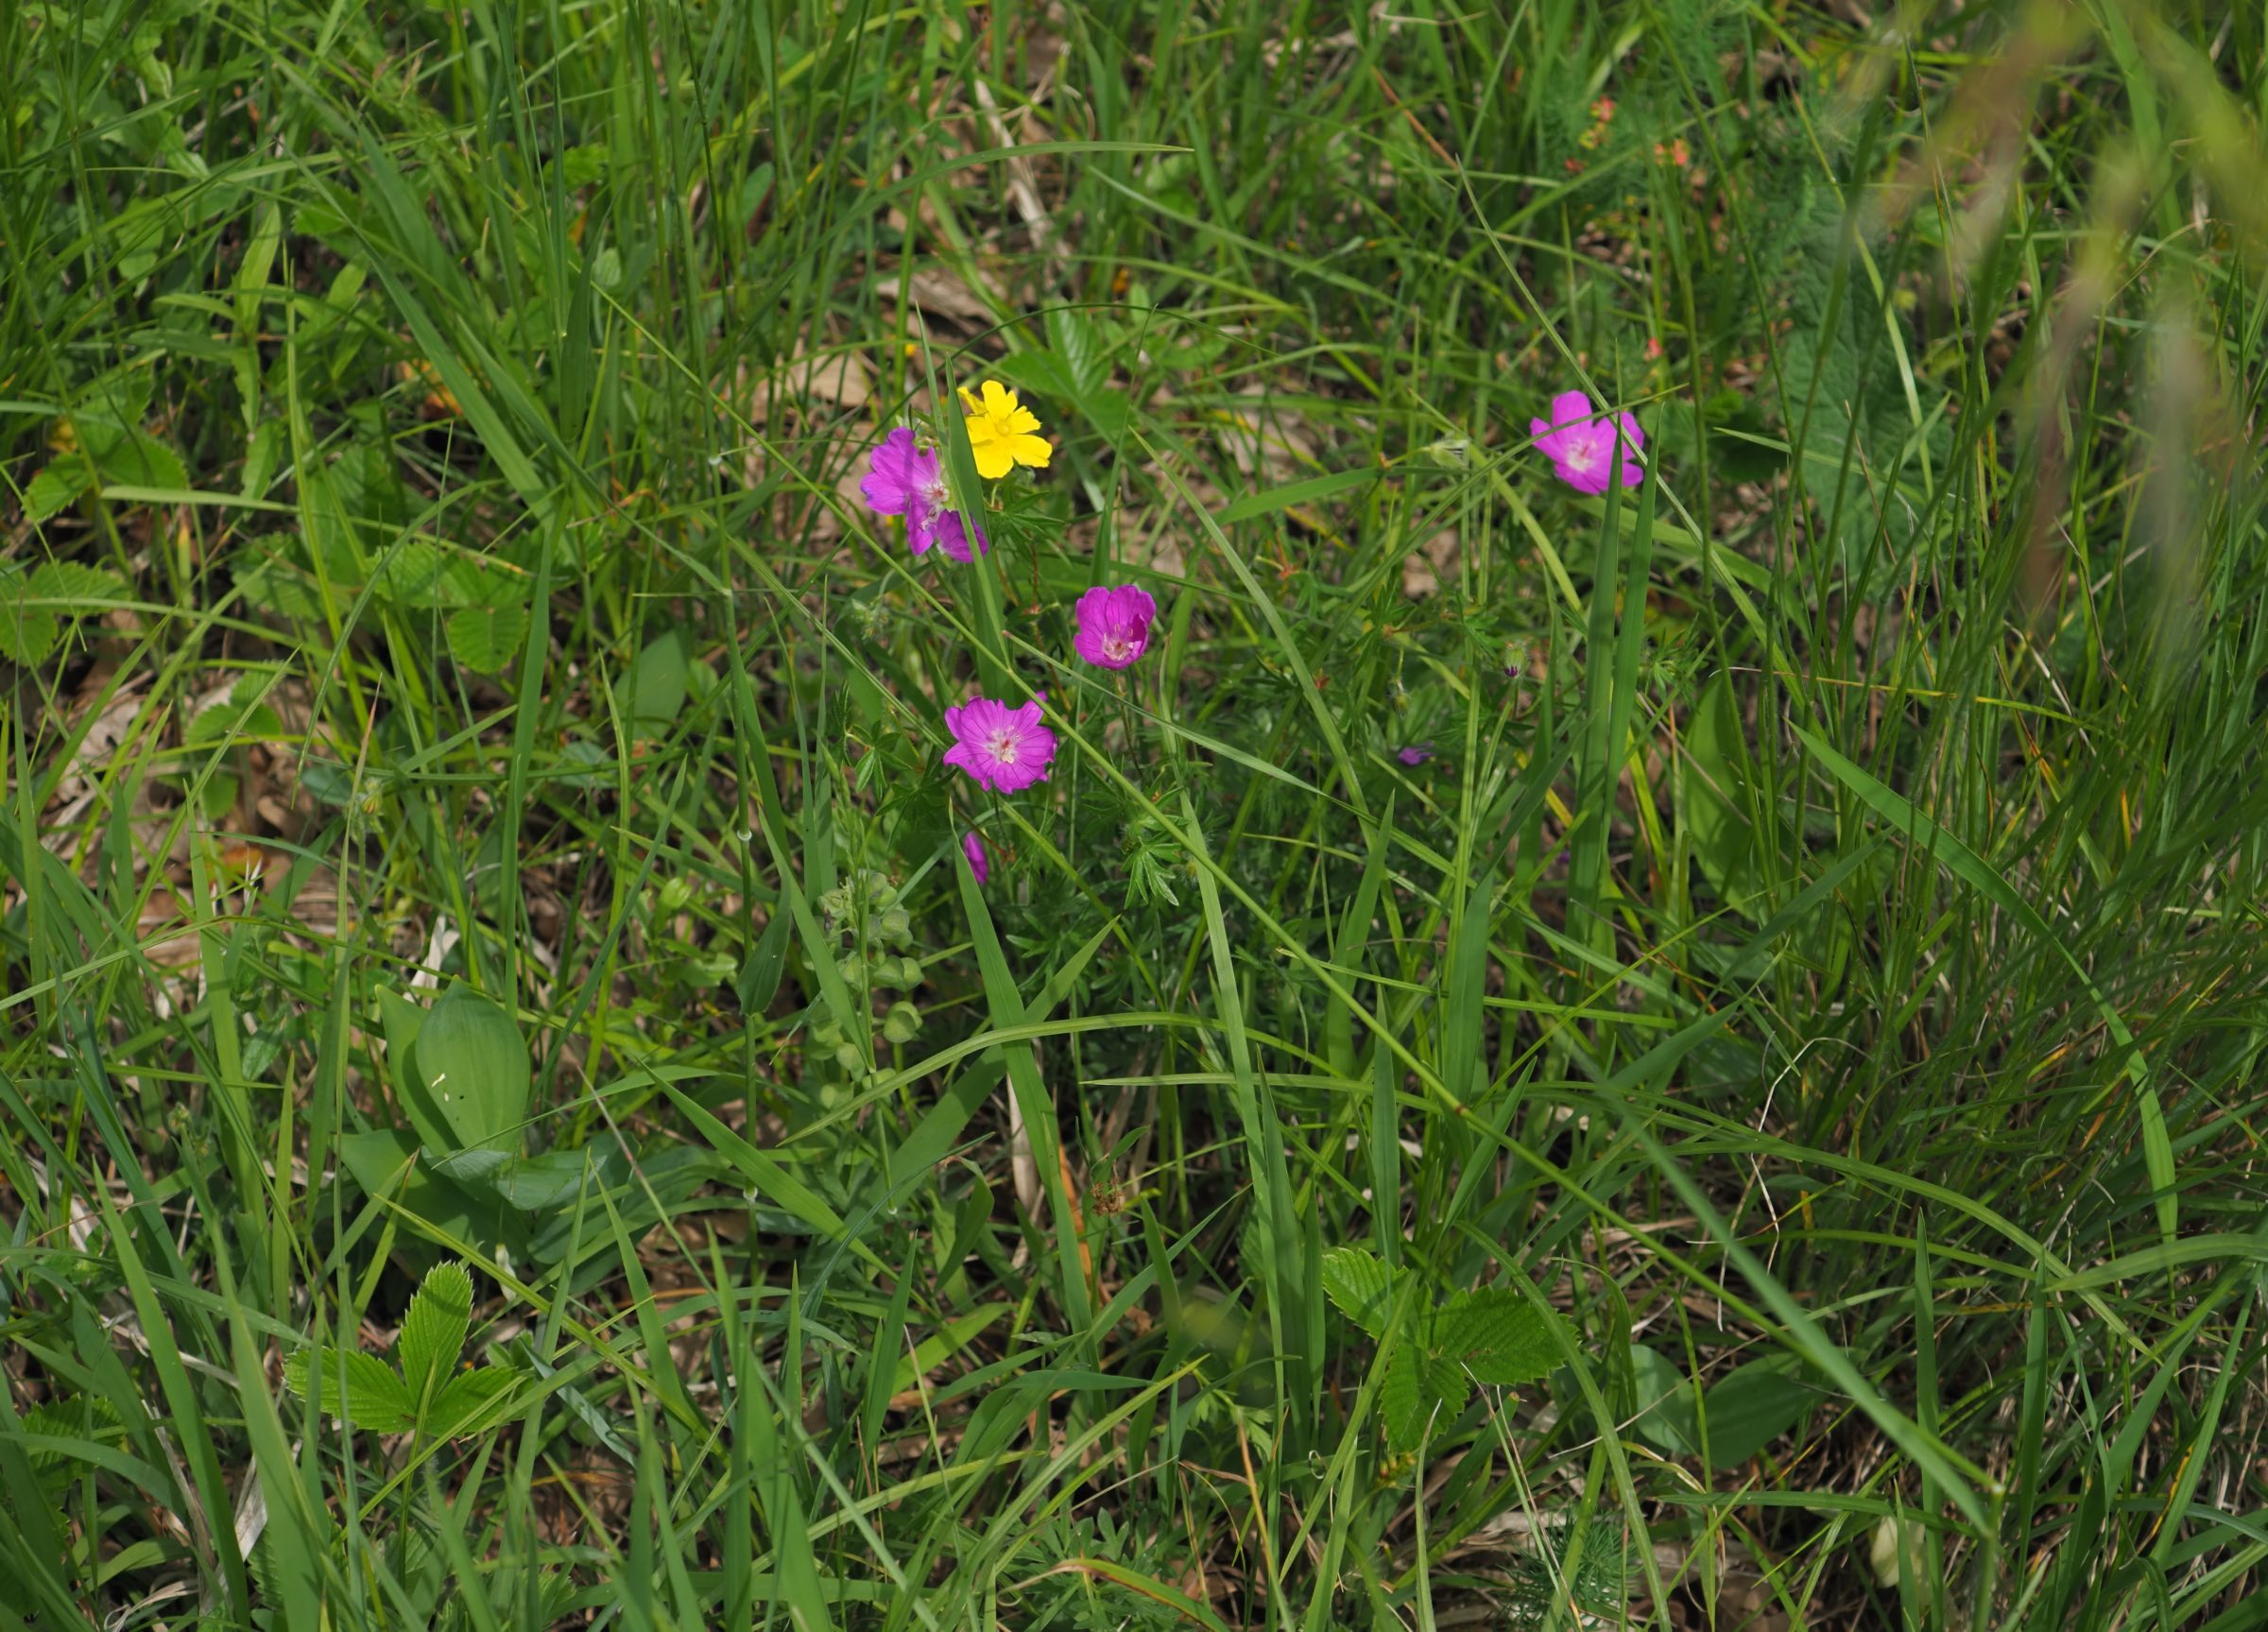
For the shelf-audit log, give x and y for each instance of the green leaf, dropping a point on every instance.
(1978, 875)
(1664, 1404)
(1081, 348)
(59, 485)
(1499, 1337)
(1748, 1408)
(465, 1398)
(74, 584)
(138, 460)
(473, 1065)
(27, 633)
(1309, 491)
(1397, 1402)
(385, 1161)
(34, 606)
(281, 588)
(433, 1332)
(950, 1339)
(759, 981)
(413, 573)
(653, 691)
(373, 1398)
(486, 639)
(1715, 808)
(2157, 1157)
(402, 1020)
(1418, 1395)
(240, 718)
(1360, 1285)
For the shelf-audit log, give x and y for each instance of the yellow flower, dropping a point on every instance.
(1003, 432)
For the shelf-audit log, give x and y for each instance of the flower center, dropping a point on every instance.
(1117, 646)
(1583, 455)
(1001, 748)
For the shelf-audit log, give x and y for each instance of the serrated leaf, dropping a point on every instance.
(138, 460)
(1359, 1286)
(27, 633)
(433, 1331)
(278, 587)
(413, 574)
(1418, 1394)
(232, 720)
(1498, 1337)
(1397, 1391)
(74, 584)
(486, 638)
(472, 1064)
(57, 486)
(370, 1396)
(1081, 348)
(461, 1403)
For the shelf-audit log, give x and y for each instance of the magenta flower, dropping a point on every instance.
(1415, 754)
(973, 848)
(1114, 624)
(1580, 444)
(906, 480)
(953, 537)
(1003, 748)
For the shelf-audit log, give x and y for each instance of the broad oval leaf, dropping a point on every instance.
(1748, 1408)
(473, 1067)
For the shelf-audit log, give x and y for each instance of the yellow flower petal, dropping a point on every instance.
(999, 399)
(993, 460)
(1032, 451)
(969, 401)
(1021, 422)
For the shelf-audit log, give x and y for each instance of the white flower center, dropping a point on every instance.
(1001, 748)
(1117, 646)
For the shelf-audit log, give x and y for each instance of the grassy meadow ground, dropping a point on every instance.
(1688, 1058)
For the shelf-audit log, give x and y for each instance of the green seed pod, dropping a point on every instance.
(896, 926)
(901, 1023)
(848, 1056)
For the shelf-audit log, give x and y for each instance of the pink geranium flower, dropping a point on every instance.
(973, 848)
(1580, 444)
(1003, 748)
(953, 537)
(906, 480)
(1114, 624)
